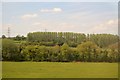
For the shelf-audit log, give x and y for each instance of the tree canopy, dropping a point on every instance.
(61, 47)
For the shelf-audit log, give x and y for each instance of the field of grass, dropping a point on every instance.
(59, 70)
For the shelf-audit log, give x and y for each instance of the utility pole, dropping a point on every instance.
(45, 30)
(8, 32)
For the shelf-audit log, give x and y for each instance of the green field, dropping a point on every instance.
(59, 70)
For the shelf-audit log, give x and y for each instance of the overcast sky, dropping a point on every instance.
(82, 17)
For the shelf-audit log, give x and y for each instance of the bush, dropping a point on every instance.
(9, 50)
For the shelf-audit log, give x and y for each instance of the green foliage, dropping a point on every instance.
(72, 39)
(19, 38)
(58, 38)
(65, 51)
(3, 36)
(62, 47)
(55, 54)
(9, 50)
(34, 53)
(87, 46)
(89, 51)
(103, 40)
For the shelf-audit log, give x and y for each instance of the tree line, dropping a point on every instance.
(72, 39)
(62, 47)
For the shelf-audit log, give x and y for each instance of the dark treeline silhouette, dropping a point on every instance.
(61, 47)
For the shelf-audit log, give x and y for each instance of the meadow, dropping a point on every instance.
(59, 70)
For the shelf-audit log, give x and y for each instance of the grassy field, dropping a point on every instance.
(59, 70)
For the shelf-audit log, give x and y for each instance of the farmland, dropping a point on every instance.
(59, 70)
(59, 40)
